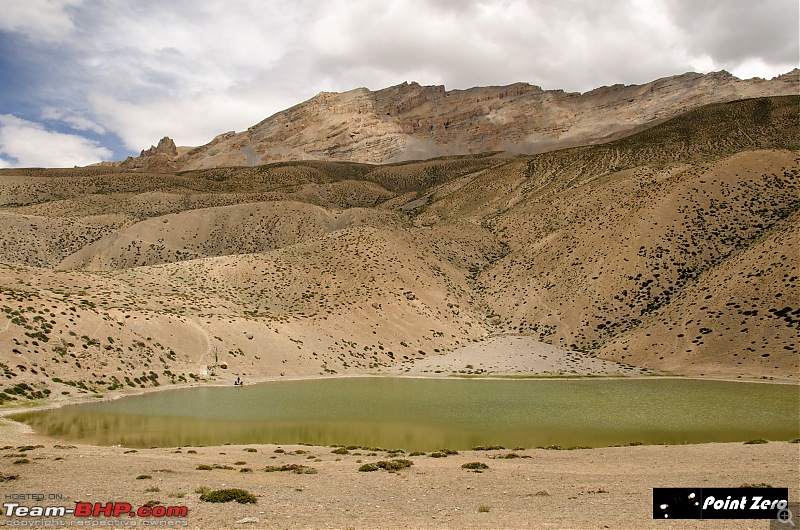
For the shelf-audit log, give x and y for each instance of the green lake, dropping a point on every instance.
(429, 414)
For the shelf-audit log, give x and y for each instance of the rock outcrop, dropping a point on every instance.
(409, 121)
(161, 157)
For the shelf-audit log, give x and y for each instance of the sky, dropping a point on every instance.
(88, 80)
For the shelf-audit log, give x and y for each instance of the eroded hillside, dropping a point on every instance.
(674, 250)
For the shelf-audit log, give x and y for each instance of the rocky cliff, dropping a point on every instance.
(409, 121)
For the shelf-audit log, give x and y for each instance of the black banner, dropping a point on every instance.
(719, 503)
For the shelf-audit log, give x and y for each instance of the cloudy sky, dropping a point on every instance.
(89, 80)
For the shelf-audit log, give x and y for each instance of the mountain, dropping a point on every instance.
(412, 122)
(673, 250)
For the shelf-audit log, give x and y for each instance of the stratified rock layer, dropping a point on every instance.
(413, 122)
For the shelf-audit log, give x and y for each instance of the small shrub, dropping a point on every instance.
(176, 495)
(152, 489)
(227, 495)
(393, 465)
(152, 503)
(437, 454)
(795, 441)
(542, 493)
(204, 467)
(202, 489)
(239, 463)
(296, 468)
(144, 477)
(245, 470)
(474, 465)
(279, 451)
(483, 508)
(7, 478)
(488, 448)
(22, 461)
(756, 441)
(341, 451)
(29, 447)
(251, 450)
(416, 453)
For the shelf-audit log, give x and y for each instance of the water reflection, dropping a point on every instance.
(418, 414)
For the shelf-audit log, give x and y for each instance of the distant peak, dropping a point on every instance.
(166, 146)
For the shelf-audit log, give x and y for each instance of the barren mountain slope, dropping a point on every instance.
(409, 121)
(235, 229)
(657, 249)
(379, 304)
(598, 238)
(742, 315)
(51, 217)
(630, 243)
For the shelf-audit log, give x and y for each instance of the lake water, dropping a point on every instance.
(429, 414)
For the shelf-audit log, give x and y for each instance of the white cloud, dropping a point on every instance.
(184, 47)
(77, 122)
(191, 69)
(193, 120)
(755, 67)
(570, 44)
(28, 144)
(47, 20)
(737, 31)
